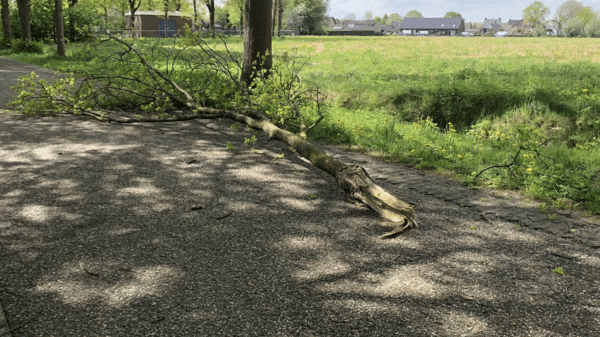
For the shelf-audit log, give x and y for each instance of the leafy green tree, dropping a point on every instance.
(222, 17)
(452, 15)
(368, 15)
(536, 13)
(586, 14)
(413, 14)
(592, 28)
(567, 11)
(574, 27)
(394, 17)
(308, 16)
(236, 12)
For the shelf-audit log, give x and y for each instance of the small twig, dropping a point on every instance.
(224, 216)
(90, 273)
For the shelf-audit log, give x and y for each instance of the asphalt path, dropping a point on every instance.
(11, 70)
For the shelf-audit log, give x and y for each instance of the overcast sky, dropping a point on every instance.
(471, 10)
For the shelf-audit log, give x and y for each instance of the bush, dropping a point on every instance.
(5, 44)
(26, 46)
(592, 28)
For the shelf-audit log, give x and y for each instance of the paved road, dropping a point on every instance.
(10, 71)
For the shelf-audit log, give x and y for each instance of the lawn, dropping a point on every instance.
(456, 105)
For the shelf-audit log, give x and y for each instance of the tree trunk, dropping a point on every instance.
(211, 11)
(60, 28)
(274, 17)
(24, 19)
(194, 16)
(257, 39)
(133, 7)
(6, 29)
(279, 17)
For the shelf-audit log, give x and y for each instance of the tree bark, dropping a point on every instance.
(6, 29)
(257, 39)
(279, 17)
(274, 17)
(24, 19)
(210, 5)
(194, 16)
(60, 28)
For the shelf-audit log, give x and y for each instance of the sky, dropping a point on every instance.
(471, 10)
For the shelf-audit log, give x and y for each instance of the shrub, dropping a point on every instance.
(26, 46)
(5, 44)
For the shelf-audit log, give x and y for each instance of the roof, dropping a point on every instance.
(515, 23)
(492, 23)
(431, 23)
(155, 13)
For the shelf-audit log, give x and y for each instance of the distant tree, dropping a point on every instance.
(567, 11)
(134, 5)
(236, 12)
(368, 15)
(222, 17)
(379, 20)
(592, 28)
(394, 17)
(536, 13)
(306, 15)
(350, 17)
(413, 14)
(452, 15)
(385, 18)
(573, 27)
(210, 5)
(6, 29)
(587, 14)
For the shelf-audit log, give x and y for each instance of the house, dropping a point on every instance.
(152, 23)
(491, 26)
(552, 27)
(357, 27)
(519, 28)
(434, 26)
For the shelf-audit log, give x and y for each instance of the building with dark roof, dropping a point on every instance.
(434, 26)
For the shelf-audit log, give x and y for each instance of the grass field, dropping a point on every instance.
(457, 105)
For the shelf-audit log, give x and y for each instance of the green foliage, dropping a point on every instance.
(558, 271)
(313, 196)
(307, 16)
(453, 15)
(592, 28)
(5, 44)
(250, 141)
(413, 14)
(25, 46)
(65, 95)
(574, 27)
(536, 13)
(229, 146)
(285, 98)
(236, 126)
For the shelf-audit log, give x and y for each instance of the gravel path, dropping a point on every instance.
(159, 230)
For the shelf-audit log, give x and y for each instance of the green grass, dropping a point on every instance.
(453, 105)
